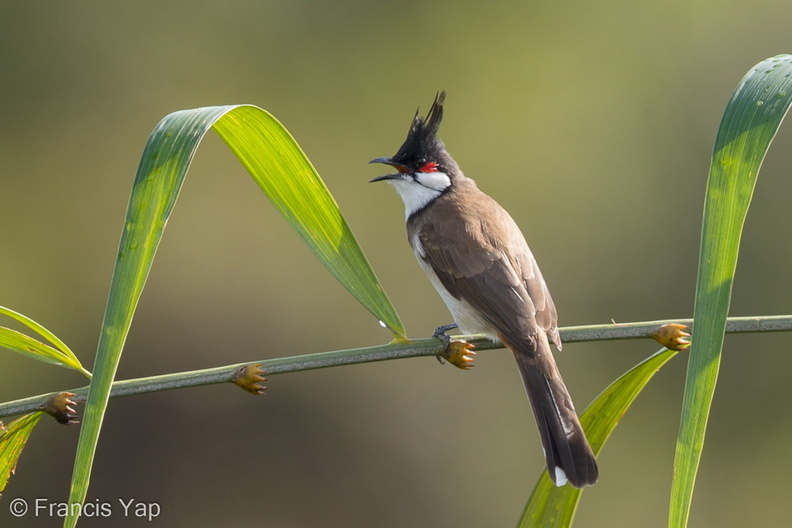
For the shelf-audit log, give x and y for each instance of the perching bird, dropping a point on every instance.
(476, 257)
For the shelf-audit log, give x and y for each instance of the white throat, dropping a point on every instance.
(417, 193)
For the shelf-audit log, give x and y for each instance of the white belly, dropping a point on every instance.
(465, 316)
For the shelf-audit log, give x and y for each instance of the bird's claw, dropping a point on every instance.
(440, 333)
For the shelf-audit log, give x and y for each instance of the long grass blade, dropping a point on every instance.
(749, 124)
(279, 166)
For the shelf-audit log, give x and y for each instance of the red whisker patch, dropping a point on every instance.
(429, 167)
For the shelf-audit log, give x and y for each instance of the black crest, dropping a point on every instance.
(422, 144)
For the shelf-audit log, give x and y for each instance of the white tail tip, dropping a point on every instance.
(560, 477)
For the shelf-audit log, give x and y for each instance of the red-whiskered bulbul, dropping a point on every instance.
(476, 257)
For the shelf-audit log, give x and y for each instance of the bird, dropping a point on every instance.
(476, 257)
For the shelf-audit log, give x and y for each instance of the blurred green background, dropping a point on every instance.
(591, 123)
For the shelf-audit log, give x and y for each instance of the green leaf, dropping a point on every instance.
(552, 506)
(61, 355)
(749, 124)
(281, 169)
(33, 348)
(12, 440)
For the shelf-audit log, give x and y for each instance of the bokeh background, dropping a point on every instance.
(592, 123)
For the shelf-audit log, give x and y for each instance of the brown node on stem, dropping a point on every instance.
(59, 407)
(250, 378)
(672, 336)
(459, 353)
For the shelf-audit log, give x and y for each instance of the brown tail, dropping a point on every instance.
(569, 456)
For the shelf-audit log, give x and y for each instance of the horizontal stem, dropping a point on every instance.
(734, 325)
(415, 348)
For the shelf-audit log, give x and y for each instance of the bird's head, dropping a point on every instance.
(424, 168)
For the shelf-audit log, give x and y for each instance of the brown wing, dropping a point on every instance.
(465, 250)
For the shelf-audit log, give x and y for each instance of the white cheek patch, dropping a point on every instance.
(439, 181)
(417, 193)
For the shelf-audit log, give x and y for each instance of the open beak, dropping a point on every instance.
(389, 161)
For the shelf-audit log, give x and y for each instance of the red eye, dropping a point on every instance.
(429, 167)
